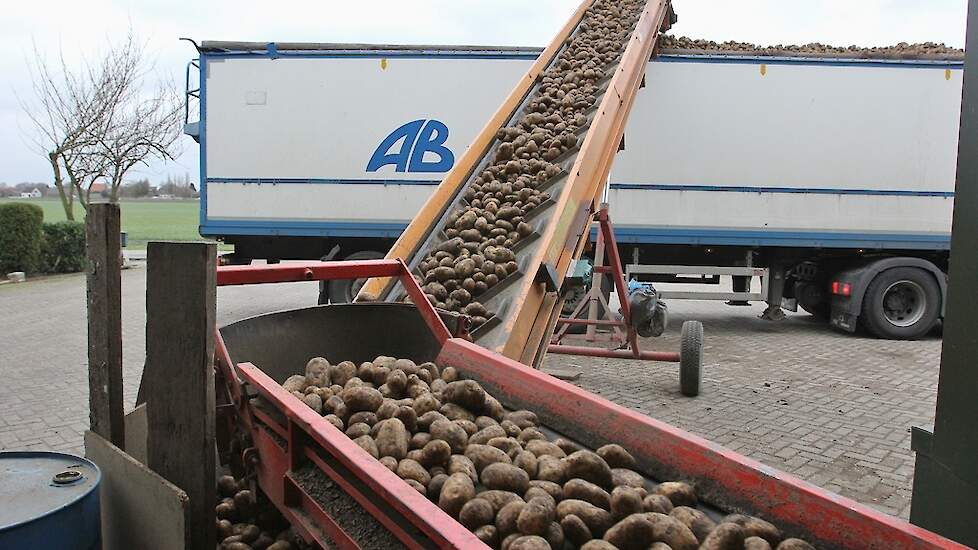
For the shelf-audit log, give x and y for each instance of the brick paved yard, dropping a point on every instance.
(830, 408)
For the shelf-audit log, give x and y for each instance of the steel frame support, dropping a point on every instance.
(607, 262)
(945, 488)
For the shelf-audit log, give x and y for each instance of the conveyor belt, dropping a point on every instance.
(508, 219)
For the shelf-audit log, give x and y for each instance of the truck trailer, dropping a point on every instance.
(830, 177)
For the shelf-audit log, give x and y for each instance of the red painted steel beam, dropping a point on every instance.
(588, 351)
(233, 275)
(721, 476)
(382, 484)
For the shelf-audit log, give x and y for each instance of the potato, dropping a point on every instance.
(357, 430)
(657, 503)
(467, 425)
(575, 530)
(425, 420)
(387, 409)
(679, 493)
(456, 491)
(424, 403)
(698, 522)
(392, 438)
(541, 447)
(465, 393)
(756, 543)
(530, 434)
(365, 417)
(530, 543)
(417, 486)
(624, 476)
(484, 455)
(507, 444)
(419, 440)
(223, 527)
(410, 469)
(504, 477)
(458, 464)
(507, 516)
(483, 436)
(585, 490)
(588, 466)
(727, 536)
(453, 411)
(598, 544)
(361, 398)
(341, 373)
(637, 531)
(512, 430)
(625, 501)
(407, 415)
(476, 513)
(550, 469)
(567, 446)
(509, 540)
(527, 462)
(449, 374)
(368, 444)
(226, 510)
(317, 372)
(236, 545)
(551, 488)
(535, 518)
(522, 418)
(596, 519)
(435, 485)
(616, 456)
(795, 544)
(227, 486)
(296, 382)
(488, 534)
(280, 545)
(451, 433)
(756, 527)
(660, 546)
(397, 382)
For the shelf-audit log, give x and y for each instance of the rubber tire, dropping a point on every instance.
(691, 358)
(872, 315)
(340, 292)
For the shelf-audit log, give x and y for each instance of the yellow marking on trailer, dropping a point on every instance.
(383, 64)
(763, 69)
(947, 74)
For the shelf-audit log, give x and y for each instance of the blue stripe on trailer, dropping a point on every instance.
(821, 61)
(624, 234)
(616, 186)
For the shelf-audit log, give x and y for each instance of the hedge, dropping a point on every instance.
(63, 247)
(20, 237)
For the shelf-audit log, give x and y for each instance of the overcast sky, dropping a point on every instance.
(83, 27)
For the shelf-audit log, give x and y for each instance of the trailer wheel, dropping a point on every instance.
(691, 358)
(902, 303)
(343, 292)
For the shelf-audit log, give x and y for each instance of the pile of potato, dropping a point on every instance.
(903, 50)
(478, 252)
(245, 524)
(500, 476)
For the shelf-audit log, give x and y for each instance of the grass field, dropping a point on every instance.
(149, 220)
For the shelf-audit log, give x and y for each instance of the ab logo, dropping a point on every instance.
(411, 142)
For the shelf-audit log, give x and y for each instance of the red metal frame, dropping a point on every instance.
(721, 476)
(628, 345)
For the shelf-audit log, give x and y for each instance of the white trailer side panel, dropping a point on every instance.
(718, 150)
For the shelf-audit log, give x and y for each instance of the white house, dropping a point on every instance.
(35, 194)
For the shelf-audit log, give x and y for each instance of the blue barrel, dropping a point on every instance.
(49, 500)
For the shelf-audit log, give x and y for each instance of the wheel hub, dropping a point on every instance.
(904, 303)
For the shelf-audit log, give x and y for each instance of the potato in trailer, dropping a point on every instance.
(799, 167)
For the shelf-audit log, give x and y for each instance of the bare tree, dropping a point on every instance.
(103, 119)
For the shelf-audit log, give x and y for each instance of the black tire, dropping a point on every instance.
(902, 303)
(235, 259)
(341, 292)
(691, 358)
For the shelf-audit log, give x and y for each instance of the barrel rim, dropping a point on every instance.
(51, 454)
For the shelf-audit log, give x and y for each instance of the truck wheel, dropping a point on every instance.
(813, 299)
(901, 303)
(691, 358)
(343, 292)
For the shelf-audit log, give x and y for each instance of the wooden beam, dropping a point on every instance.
(104, 274)
(179, 376)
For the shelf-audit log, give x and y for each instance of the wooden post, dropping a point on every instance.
(179, 376)
(104, 275)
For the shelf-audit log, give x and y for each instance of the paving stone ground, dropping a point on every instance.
(830, 408)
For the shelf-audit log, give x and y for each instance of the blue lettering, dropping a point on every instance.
(432, 140)
(383, 156)
(410, 142)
